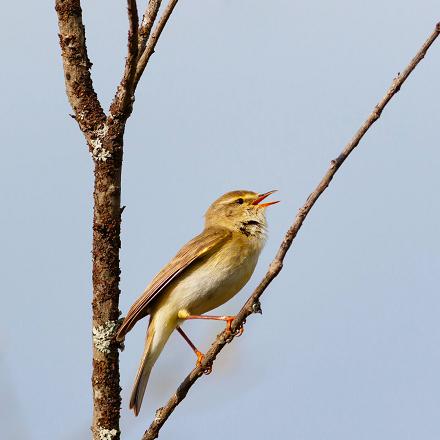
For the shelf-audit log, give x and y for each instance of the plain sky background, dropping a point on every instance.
(240, 94)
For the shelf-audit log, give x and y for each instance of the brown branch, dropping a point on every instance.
(105, 143)
(252, 305)
(147, 22)
(121, 106)
(105, 140)
(152, 40)
(79, 86)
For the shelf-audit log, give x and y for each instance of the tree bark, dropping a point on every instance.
(106, 245)
(104, 137)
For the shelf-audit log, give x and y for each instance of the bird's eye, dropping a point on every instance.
(240, 201)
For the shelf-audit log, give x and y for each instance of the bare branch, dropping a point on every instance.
(252, 304)
(152, 40)
(147, 22)
(104, 139)
(121, 105)
(79, 86)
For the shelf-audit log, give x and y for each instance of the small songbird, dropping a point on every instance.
(208, 271)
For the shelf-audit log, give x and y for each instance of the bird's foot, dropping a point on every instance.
(200, 358)
(238, 332)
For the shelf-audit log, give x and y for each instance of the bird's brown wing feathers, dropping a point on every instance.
(200, 246)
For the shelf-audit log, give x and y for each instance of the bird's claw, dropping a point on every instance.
(200, 358)
(238, 331)
(229, 320)
(207, 370)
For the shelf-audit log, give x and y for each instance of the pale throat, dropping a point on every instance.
(253, 228)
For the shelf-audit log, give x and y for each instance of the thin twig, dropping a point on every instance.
(152, 40)
(147, 22)
(252, 304)
(124, 94)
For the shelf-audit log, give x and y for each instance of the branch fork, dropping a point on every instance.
(104, 136)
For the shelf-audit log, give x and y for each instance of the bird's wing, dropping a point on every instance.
(199, 247)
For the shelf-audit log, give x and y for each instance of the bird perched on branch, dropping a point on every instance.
(208, 271)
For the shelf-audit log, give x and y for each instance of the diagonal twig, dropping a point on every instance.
(124, 94)
(252, 304)
(152, 40)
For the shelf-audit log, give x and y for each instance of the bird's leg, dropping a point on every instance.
(228, 319)
(199, 354)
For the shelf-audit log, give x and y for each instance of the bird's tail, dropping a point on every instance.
(157, 335)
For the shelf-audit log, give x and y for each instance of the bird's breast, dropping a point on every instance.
(215, 279)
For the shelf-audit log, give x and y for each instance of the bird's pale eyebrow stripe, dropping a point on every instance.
(236, 197)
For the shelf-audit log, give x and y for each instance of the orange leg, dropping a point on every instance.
(228, 320)
(198, 353)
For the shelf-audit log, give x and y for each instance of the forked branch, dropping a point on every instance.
(252, 305)
(147, 22)
(104, 135)
(153, 38)
(79, 86)
(121, 106)
(141, 45)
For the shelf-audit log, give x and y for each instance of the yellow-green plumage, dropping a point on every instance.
(208, 271)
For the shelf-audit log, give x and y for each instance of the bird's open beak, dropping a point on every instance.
(261, 197)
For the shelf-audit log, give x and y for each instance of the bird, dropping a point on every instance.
(206, 272)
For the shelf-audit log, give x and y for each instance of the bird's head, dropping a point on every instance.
(239, 211)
